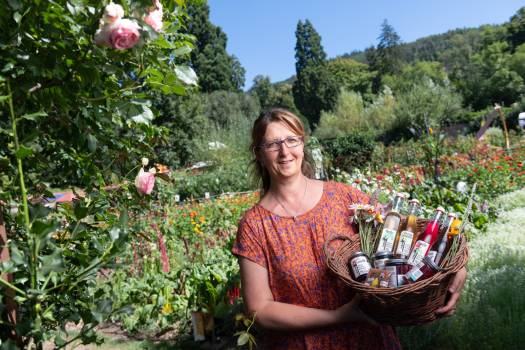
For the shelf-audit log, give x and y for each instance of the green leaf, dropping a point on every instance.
(145, 116)
(92, 143)
(186, 74)
(102, 309)
(23, 152)
(43, 228)
(181, 51)
(33, 116)
(4, 98)
(123, 220)
(15, 4)
(80, 211)
(53, 262)
(243, 339)
(114, 233)
(17, 17)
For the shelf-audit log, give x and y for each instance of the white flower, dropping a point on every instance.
(145, 161)
(462, 187)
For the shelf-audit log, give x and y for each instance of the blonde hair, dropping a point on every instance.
(291, 121)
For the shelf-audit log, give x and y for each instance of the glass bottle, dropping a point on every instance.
(391, 225)
(427, 238)
(405, 239)
(438, 249)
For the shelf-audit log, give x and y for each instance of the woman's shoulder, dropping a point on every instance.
(348, 191)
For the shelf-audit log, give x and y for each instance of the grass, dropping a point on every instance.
(491, 313)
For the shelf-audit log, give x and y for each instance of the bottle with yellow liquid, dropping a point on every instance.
(406, 238)
(391, 226)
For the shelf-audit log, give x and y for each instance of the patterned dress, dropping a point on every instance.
(292, 252)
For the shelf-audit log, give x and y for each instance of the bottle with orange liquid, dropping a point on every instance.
(406, 238)
(427, 238)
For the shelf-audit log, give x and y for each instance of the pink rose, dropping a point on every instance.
(113, 12)
(154, 16)
(144, 182)
(123, 34)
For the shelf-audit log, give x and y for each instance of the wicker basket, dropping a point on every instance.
(411, 304)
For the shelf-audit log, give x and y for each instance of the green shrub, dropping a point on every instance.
(350, 151)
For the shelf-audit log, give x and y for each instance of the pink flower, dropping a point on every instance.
(144, 182)
(124, 34)
(112, 13)
(154, 16)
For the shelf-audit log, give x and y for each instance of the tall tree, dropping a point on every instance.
(516, 28)
(217, 70)
(387, 58)
(315, 89)
(308, 48)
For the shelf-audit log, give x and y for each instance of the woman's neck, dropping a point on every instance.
(290, 189)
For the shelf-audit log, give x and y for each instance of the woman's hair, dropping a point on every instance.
(292, 122)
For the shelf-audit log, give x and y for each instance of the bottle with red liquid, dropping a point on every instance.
(438, 249)
(427, 238)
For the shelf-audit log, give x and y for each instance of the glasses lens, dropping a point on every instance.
(292, 141)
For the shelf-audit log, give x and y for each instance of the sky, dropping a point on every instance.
(261, 34)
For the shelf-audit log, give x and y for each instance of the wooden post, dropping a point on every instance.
(9, 296)
(497, 107)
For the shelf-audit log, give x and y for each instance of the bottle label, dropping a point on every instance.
(418, 253)
(386, 242)
(360, 266)
(432, 255)
(405, 243)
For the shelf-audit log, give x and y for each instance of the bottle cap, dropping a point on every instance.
(441, 209)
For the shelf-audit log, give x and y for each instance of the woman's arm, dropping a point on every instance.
(271, 314)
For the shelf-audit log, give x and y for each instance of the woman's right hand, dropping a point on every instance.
(350, 312)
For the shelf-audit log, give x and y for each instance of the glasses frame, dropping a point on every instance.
(266, 145)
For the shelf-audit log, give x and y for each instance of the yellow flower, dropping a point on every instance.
(379, 218)
(167, 309)
(202, 219)
(430, 131)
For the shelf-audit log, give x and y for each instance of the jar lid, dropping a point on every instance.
(356, 254)
(430, 263)
(383, 255)
(393, 262)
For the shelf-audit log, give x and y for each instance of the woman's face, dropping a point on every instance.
(280, 160)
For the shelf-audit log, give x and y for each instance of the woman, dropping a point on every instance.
(285, 280)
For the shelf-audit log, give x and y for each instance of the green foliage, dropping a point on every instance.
(315, 90)
(424, 105)
(273, 95)
(350, 151)
(308, 48)
(416, 73)
(488, 79)
(350, 115)
(517, 61)
(351, 75)
(516, 28)
(217, 70)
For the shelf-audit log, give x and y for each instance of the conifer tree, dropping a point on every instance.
(315, 89)
(216, 69)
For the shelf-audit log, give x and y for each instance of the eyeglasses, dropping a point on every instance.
(290, 142)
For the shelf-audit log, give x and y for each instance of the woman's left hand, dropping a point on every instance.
(454, 291)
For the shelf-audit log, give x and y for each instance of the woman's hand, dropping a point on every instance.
(350, 312)
(454, 293)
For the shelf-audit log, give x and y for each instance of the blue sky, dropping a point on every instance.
(262, 33)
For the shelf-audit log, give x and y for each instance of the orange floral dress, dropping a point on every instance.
(292, 252)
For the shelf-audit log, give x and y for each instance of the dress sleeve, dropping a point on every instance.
(248, 244)
(353, 195)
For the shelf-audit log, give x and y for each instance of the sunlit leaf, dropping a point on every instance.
(23, 152)
(186, 74)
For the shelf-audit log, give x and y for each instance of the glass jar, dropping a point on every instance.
(359, 265)
(380, 258)
(424, 269)
(397, 268)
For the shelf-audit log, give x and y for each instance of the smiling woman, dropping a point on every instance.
(285, 280)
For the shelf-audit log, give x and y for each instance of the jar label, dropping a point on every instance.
(418, 253)
(405, 243)
(386, 242)
(360, 266)
(393, 276)
(415, 273)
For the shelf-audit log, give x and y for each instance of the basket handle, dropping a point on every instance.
(328, 251)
